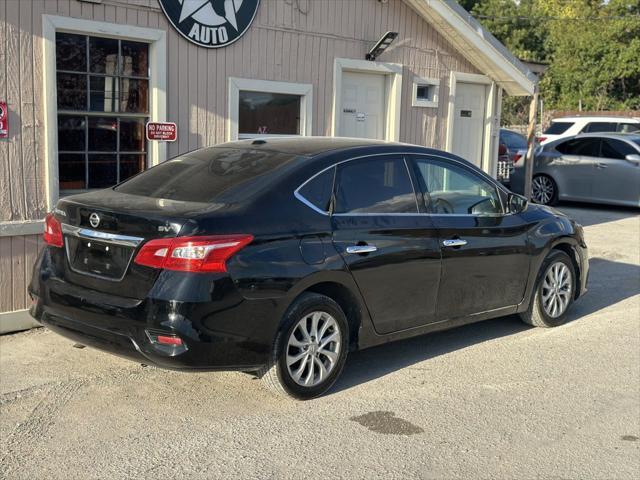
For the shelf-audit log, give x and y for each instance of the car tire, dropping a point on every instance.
(299, 340)
(541, 311)
(544, 190)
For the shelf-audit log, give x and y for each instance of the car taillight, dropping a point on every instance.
(192, 254)
(540, 139)
(52, 231)
(517, 157)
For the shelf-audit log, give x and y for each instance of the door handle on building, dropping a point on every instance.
(360, 249)
(454, 242)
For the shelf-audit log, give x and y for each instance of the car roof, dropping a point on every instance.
(511, 131)
(596, 119)
(635, 137)
(305, 146)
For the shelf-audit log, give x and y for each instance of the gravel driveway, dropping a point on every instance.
(492, 400)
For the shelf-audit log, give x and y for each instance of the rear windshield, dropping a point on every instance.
(557, 128)
(223, 174)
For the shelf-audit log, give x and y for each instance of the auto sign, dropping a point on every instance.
(210, 23)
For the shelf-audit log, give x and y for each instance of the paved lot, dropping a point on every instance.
(491, 400)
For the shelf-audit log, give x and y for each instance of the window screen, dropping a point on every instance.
(374, 185)
(263, 113)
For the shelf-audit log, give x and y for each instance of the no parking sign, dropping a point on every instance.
(4, 120)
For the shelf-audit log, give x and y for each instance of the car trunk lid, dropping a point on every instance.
(104, 230)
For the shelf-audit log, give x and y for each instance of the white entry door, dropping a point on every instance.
(363, 106)
(468, 121)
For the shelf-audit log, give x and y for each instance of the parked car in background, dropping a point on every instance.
(569, 126)
(509, 151)
(280, 256)
(599, 168)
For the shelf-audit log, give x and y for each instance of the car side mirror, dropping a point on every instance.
(633, 158)
(516, 203)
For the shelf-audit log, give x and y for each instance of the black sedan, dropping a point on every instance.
(280, 256)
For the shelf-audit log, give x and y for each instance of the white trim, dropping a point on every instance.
(491, 132)
(157, 84)
(393, 73)
(476, 45)
(487, 162)
(305, 90)
(26, 227)
(425, 82)
(16, 321)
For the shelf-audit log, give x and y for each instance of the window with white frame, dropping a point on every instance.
(260, 108)
(103, 105)
(425, 92)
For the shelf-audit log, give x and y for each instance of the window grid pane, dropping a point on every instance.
(101, 139)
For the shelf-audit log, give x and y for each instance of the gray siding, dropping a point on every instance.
(294, 41)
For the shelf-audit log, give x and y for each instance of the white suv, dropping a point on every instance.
(569, 126)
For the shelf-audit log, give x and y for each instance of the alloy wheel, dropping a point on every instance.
(313, 349)
(543, 189)
(556, 289)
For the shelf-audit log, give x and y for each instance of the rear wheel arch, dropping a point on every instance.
(348, 302)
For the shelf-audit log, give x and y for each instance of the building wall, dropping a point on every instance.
(289, 40)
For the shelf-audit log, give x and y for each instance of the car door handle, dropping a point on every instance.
(454, 242)
(360, 249)
(601, 165)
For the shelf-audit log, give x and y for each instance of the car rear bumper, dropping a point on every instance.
(218, 331)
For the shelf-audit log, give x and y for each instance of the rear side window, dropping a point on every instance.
(628, 127)
(223, 174)
(589, 147)
(557, 128)
(317, 191)
(616, 149)
(374, 185)
(600, 127)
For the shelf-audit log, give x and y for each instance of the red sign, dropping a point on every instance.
(162, 131)
(4, 120)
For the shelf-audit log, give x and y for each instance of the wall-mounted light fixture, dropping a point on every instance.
(381, 46)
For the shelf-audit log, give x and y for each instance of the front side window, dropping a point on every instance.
(374, 185)
(616, 149)
(588, 147)
(103, 106)
(450, 189)
(264, 113)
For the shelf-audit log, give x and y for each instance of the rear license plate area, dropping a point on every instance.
(99, 258)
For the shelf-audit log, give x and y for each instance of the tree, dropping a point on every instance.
(592, 46)
(516, 24)
(595, 54)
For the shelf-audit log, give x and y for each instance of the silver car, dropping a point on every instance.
(599, 168)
